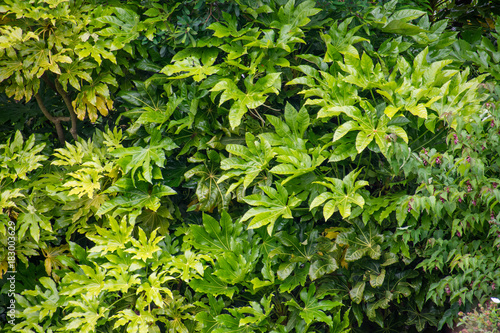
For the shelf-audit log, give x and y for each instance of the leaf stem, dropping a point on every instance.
(431, 139)
(118, 300)
(421, 136)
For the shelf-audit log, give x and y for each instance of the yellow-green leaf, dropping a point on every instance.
(391, 110)
(418, 110)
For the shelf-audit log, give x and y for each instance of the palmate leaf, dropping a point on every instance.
(217, 237)
(371, 128)
(296, 278)
(51, 299)
(147, 158)
(296, 163)
(303, 259)
(290, 20)
(229, 27)
(86, 181)
(313, 309)
(74, 154)
(297, 250)
(416, 87)
(462, 97)
(193, 62)
(208, 318)
(87, 281)
(74, 72)
(249, 161)
(233, 268)
(362, 240)
(110, 240)
(289, 134)
(254, 97)
(340, 39)
(248, 318)
(147, 104)
(145, 247)
(51, 261)
(123, 28)
(332, 93)
(159, 219)
(33, 220)
(209, 193)
(7, 196)
(120, 277)
(154, 288)
(133, 198)
(295, 16)
(342, 196)
(85, 314)
(135, 322)
(189, 265)
(387, 19)
(271, 205)
(19, 157)
(362, 72)
(228, 243)
(212, 285)
(179, 312)
(98, 50)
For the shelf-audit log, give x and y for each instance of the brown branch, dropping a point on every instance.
(72, 113)
(55, 120)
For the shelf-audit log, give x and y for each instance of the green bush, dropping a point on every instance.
(266, 168)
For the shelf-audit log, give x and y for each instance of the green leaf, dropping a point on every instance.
(362, 241)
(207, 318)
(133, 198)
(391, 110)
(113, 239)
(402, 28)
(344, 129)
(418, 110)
(296, 162)
(376, 280)
(298, 277)
(356, 292)
(343, 194)
(196, 64)
(212, 285)
(250, 161)
(322, 266)
(363, 139)
(273, 204)
(145, 247)
(217, 236)
(133, 158)
(255, 96)
(313, 309)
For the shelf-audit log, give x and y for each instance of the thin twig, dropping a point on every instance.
(256, 114)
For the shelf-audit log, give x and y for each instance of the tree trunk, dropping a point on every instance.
(55, 120)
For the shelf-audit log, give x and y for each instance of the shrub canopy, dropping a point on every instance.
(248, 166)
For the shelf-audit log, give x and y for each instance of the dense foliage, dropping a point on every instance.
(248, 166)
